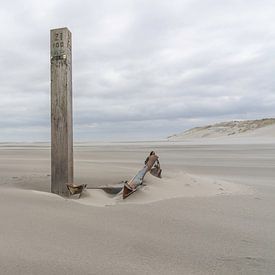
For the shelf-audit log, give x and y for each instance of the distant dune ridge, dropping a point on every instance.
(247, 128)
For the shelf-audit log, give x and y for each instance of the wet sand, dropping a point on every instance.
(217, 218)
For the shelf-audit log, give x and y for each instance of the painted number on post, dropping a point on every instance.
(58, 40)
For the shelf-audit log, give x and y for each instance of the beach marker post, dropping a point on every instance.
(61, 111)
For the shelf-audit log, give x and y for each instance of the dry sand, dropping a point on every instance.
(211, 213)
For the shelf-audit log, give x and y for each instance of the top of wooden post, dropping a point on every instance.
(61, 43)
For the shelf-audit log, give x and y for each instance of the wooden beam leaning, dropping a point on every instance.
(61, 111)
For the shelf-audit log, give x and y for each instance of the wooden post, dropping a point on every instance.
(61, 111)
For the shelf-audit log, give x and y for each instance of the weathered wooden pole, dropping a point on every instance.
(61, 111)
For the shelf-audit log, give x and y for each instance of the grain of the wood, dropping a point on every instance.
(61, 111)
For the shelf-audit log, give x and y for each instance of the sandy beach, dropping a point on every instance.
(211, 213)
(137, 137)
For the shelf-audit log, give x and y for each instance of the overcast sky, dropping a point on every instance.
(141, 69)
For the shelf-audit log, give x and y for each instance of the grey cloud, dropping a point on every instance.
(140, 68)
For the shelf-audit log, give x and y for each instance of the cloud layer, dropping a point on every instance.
(141, 69)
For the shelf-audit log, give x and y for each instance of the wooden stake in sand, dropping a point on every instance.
(61, 111)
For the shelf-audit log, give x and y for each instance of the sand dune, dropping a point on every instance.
(172, 185)
(264, 128)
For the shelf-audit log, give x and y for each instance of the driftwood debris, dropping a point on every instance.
(76, 189)
(151, 164)
(127, 188)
